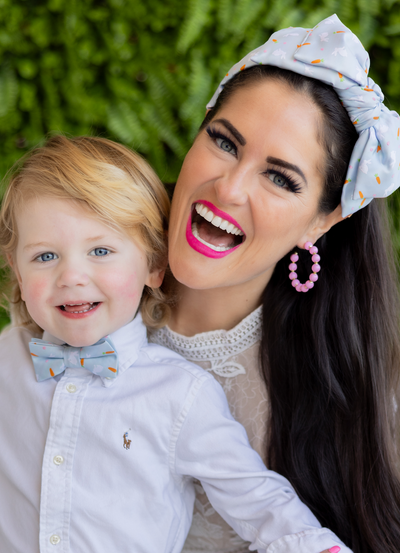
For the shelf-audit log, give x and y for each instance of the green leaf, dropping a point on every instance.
(194, 24)
(8, 90)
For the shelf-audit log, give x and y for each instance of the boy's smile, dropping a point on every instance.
(80, 278)
(76, 310)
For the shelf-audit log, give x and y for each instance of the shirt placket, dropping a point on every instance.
(57, 468)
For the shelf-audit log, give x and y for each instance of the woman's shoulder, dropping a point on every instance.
(213, 344)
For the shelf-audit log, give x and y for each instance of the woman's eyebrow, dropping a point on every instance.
(239, 137)
(287, 165)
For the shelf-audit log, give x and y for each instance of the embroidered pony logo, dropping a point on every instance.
(127, 443)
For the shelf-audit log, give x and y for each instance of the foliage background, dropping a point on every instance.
(141, 71)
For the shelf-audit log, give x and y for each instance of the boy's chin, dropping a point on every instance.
(80, 341)
(76, 341)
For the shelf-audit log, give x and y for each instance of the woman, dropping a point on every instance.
(264, 179)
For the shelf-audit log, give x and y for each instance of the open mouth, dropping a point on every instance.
(77, 308)
(213, 230)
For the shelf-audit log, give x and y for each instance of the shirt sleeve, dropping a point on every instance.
(258, 503)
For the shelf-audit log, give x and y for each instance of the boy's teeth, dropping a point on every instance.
(75, 304)
(217, 221)
(88, 307)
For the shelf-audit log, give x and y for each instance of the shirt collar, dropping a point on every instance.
(128, 340)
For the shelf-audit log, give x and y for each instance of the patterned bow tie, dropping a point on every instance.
(51, 359)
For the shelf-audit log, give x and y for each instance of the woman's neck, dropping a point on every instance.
(207, 310)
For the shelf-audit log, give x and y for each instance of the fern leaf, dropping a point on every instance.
(246, 13)
(199, 92)
(125, 125)
(194, 24)
(224, 14)
(8, 90)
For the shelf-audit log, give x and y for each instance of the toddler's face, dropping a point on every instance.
(81, 280)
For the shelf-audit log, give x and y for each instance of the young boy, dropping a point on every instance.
(102, 433)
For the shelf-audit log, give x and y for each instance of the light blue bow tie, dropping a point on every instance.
(52, 359)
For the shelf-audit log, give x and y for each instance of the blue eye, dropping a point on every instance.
(48, 256)
(225, 145)
(283, 181)
(222, 141)
(277, 179)
(100, 252)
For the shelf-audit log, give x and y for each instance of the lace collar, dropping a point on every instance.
(217, 345)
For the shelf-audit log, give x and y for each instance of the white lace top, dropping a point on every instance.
(232, 357)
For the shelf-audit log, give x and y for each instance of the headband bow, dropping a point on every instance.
(331, 53)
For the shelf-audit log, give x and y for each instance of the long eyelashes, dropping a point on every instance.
(215, 135)
(289, 182)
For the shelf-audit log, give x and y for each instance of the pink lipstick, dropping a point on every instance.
(212, 232)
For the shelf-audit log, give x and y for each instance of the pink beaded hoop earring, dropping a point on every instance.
(315, 269)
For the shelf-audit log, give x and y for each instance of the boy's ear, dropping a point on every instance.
(14, 267)
(155, 278)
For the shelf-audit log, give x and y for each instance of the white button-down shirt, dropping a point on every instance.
(95, 465)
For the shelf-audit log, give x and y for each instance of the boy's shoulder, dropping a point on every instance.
(15, 339)
(176, 378)
(167, 358)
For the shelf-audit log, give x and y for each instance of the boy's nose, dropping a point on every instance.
(72, 276)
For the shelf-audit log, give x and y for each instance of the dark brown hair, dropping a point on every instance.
(331, 358)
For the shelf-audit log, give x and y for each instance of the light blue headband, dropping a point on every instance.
(331, 53)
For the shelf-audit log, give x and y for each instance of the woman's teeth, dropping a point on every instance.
(217, 221)
(213, 231)
(88, 306)
(212, 246)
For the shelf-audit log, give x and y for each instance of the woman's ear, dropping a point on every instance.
(322, 224)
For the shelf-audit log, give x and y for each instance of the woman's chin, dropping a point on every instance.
(193, 274)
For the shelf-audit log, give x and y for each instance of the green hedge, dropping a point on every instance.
(141, 71)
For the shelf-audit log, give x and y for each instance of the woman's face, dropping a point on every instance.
(257, 171)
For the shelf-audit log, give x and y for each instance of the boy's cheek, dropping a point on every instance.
(131, 288)
(32, 292)
(125, 287)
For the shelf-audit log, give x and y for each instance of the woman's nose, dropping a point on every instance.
(232, 187)
(71, 275)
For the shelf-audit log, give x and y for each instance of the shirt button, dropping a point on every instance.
(54, 539)
(71, 388)
(58, 460)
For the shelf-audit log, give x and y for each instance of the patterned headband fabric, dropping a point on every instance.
(331, 53)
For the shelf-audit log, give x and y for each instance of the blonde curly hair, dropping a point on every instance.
(114, 182)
